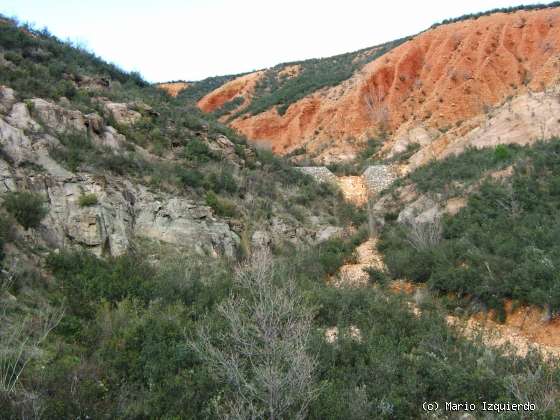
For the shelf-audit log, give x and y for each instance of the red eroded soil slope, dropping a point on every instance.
(241, 86)
(438, 78)
(173, 88)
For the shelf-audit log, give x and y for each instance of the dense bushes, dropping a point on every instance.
(123, 348)
(504, 243)
(198, 151)
(452, 175)
(26, 207)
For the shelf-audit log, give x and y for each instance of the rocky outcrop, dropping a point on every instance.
(60, 120)
(124, 210)
(521, 120)
(122, 113)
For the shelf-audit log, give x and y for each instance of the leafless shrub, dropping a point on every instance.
(377, 110)
(21, 336)
(536, 386)
(20, 341)
(510, 203)
(424, 235)
(262, 354)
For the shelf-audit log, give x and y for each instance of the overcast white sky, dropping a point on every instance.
(193, 39)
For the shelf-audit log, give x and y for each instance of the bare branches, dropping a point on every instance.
(377, 110)
(20, 337)
(423, 235)
(262, 354)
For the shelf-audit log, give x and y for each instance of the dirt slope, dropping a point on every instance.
(241, 86)
(173, 88)
(437, 80)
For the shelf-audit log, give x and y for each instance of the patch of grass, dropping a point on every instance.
(222, 206)
(87, 200)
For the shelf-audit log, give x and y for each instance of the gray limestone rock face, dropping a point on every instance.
(328, 232)
(57, 118)
(120, 112)
(19, 117)
(226, 148)
(7, 99)
(15, 144)
(124, 210)
(422, 210)
(184, 223)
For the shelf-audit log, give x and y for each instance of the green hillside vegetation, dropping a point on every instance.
(124, 348)
(497, 10)
(162, 333)
(503, 244)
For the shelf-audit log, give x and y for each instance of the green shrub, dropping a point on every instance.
(5, 233)
(501, 152)
(87, 280)
(222, 207)
(503, 244)
(333, 253)
(27, 208)
(197, 151)
(377, 276)
(190, 177)
(222, 181)
(464, 169)
(87, 200)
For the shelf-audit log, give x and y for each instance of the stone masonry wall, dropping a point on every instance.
(320, 173)
(378, 177)
(375, 177)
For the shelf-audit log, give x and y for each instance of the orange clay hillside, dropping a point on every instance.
(173, 88)
(434, 89)
(240, 87)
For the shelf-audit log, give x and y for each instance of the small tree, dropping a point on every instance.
(28, 208)
(262, 353)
